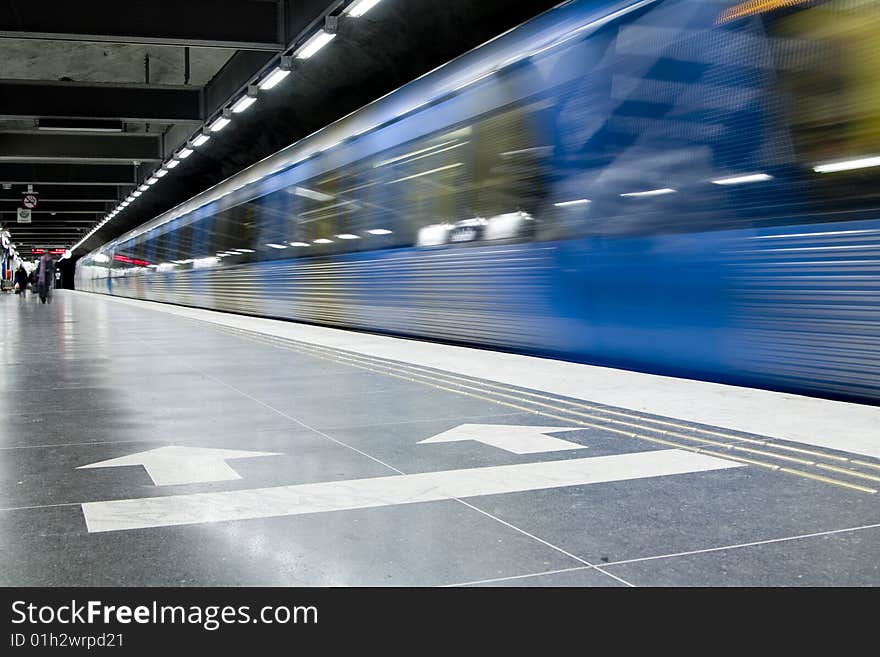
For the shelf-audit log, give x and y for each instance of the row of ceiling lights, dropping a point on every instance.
(312, 45)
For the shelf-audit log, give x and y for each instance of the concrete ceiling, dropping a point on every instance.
(120, 63)
(91, 63)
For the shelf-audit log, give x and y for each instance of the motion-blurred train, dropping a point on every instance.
(685, 187)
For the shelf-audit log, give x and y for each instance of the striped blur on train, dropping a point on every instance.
(686, 187)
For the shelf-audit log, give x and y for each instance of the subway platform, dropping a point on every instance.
(145, 444)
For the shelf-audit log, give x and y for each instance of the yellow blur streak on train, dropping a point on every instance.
(753, 7)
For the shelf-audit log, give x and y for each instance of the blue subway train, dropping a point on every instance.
(685, 187)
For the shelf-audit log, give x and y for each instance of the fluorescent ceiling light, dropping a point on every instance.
(245, 250)
(348, 236)
(847, 165)
(299, 244)
(219, 123)
(566, 204)
(152, 180)
(184, 153)
(172, 163)
(421, 150)
(323, 241)
(315, 43)
(136, 193)
(163, 172)
(308, 193)
(124, 204)
(379, 231)
(360, 7)
(738, 180)
(201, 139)
(273, 78)
(427, 173)
(144, 187)
(277, 246)
(245, 101)
(651, 192)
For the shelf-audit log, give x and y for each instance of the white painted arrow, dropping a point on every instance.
(373, 492)
(182, 465)
(513, 438)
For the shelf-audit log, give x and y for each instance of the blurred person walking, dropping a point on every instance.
(45, 277)
(21, 279)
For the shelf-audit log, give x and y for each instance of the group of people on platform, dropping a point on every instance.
(42, 279)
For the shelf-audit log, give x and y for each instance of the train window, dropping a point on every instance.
(832, 92)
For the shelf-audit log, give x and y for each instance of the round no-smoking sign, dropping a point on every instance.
(29, 201)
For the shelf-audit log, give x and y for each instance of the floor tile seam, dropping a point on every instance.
(258, 431)
(668, 556)
(164, 441)
(737, 546)
(542, 541)
(508, 578)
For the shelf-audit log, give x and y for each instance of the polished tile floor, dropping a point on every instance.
(336, 487)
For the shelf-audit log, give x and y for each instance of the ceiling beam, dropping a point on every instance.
(66, 193)
(17, 229)
(237, 24)
(20, 146)
(56, 222)
(46, 173)
(25, 99)
(47, 207)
